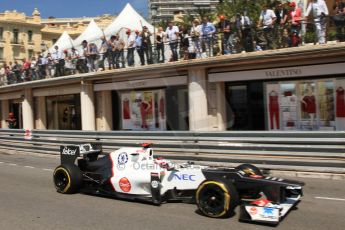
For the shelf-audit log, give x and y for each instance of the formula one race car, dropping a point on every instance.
(133, 173)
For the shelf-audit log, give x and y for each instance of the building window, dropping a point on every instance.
(1, 33)
(30, 54)
(29, 36)
(54, 40)
(1, 53)
(15, 36)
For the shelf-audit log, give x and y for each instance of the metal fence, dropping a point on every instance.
(306, 151)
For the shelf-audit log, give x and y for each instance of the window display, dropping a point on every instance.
(306, 105)
(143, 110)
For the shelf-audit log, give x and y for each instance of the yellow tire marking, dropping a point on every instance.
(226, 195)
(69, 178)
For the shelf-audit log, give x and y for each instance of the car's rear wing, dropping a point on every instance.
(70, 153)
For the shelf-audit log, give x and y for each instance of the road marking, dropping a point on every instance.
(30, 167)
(1, 162)
(50, 170)
(329, 198)
(12, 164)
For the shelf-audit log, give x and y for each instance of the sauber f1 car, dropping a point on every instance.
(134, 173)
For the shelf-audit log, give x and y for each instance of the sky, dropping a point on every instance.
(72, 8)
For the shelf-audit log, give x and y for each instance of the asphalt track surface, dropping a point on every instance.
(28, 200)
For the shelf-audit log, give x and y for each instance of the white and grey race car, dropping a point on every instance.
(134, 173)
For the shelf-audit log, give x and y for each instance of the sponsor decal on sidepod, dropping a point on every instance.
(125, 185)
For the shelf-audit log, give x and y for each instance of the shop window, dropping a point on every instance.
(160, 109)
(245, 106)
(64, 112)
(306, 105)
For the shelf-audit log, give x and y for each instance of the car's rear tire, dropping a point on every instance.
(67, 179)
(216, 199)
(250, 169)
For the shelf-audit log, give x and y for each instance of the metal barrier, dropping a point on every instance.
(306, 151)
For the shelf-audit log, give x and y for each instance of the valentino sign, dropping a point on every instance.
(284, 73)
(279, 73)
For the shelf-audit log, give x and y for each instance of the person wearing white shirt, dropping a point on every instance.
(320, 11)
(172, 35)
(195, 34)
(266, 21)
(130, 47)
(59, 62)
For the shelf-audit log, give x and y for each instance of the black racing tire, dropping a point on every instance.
(250, 169)
(67, 179)
(217, 199)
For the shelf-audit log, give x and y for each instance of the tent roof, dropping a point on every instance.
(90, 34)
(64, 42)
(129, 18)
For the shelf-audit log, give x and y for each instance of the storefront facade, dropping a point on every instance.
(292, 89)
(302, 98)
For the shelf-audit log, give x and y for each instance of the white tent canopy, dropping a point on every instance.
(127, 19)
(64, 42)
(92, 33)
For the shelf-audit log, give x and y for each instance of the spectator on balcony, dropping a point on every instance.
(226, 34)
(3, 78)
(339, 19)
(42, 63)
(59, 62)
(244, 32)
(33, 68)
(184, 38)
(74, 60)
(195, 34)
(26, 73)
(281, 23)
(93, 57)
(160, 41)
(172, 33)
(207, 36)
(130, 48)
(138, 46)
(50, 66)
(320, 12)
(146, 44)
(266, 23)
(82, 65)
(17, 70)
(104, 53)
(119, 49)
(295, 24)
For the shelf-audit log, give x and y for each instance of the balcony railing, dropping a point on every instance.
(18, 42)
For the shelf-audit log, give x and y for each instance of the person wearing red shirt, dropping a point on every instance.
(295, 24)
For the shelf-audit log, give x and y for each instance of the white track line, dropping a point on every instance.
(30, 167)
(1, 162)
(50, 170)
(12, 164)
(329, 198)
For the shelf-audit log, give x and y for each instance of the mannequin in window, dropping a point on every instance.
(308, 104)
(274, 109)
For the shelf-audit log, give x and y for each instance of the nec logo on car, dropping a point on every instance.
(184, 177)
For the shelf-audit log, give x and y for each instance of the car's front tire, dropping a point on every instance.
(67, 179)
(216, 199)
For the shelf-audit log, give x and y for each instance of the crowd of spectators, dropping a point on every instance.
(277, 27)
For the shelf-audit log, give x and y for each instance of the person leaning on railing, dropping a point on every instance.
(172, 33)
(320, 12)
(295, 19)
(266, 23)
(339, 19)
(208, 31)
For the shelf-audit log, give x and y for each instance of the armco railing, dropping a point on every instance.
(307, 151)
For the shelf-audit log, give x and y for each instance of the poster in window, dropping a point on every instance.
(273, 108)
(340, 104)
(288, 106)
(308, 119)
(143, 110)
(326, 105)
